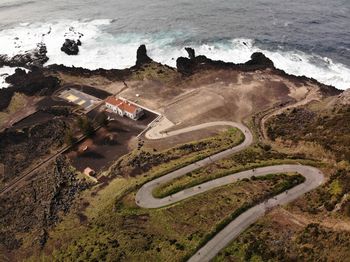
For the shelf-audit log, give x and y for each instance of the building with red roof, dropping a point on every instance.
(123, 107)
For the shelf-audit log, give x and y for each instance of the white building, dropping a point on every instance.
(123, 108)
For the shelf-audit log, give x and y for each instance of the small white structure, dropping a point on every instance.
(89, 172)
(124, 108)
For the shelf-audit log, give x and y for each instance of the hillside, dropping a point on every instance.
(65, 215)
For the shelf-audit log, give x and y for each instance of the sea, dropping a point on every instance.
(310, 38)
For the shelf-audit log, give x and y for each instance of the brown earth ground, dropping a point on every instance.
(109, 143)
(211, 95)
(207, 96)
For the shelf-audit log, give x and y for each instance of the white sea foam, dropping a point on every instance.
(101, 49)
(5, 72)
(297, 63)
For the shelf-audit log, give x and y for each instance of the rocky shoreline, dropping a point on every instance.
(39, 81)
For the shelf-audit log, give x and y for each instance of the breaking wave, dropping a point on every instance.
(103, 49)
(5, 72)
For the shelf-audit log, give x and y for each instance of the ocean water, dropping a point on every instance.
(309, 38)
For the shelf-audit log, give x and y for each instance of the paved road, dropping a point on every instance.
(159, 130)
(145, 199)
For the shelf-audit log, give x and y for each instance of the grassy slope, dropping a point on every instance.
(253, 157)
(123, 177)
(114, 226)
(329, 128)
(18, 101)
(155, 71)
(280, 240)
(123, 230)
(322, 232)
(159, 163)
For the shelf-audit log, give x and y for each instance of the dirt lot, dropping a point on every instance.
(45, 109)
(216, 95)
(108, 143)
(209, 95)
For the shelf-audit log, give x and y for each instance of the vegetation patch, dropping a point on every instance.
(127, 232)
(287, 183)
(155, 71)
(330, 197)
(38, 206)
(18, 101)
(30, 147)
(252, 157)
(159, 163)
(270, 240)
(330, 129)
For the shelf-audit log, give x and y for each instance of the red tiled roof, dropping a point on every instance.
(129, 107)
(113, 101)
(123, 105)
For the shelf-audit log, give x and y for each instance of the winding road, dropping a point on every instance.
(145, 198)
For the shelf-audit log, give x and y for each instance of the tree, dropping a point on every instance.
(102, 119)
(85, 126)
(69, 138)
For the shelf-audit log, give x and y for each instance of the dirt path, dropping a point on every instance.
(145, 198)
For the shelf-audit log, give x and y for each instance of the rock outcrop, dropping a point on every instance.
(191, 52)
(71, 47)
(188, 66)
(141, 57)
(34, 82)
(36, 57)
(258, 61)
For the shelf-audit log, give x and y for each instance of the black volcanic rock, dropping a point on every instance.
(259, 59)
(191, 52)
(184, 65)
(188, 66)
(111, 74)
(142, 57)
(36, 57)
(49, 195)
(32, 83)
(71, 47)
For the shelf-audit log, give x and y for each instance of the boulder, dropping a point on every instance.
(71, 47)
